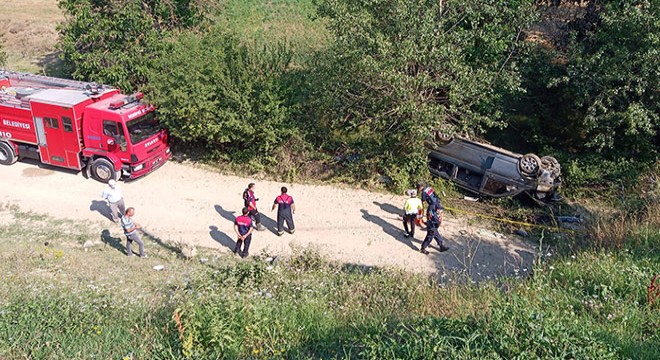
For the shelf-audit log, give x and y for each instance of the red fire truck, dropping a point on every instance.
(79, 125)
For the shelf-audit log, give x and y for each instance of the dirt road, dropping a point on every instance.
(182, 203)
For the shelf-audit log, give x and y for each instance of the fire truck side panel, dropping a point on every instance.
(16, 125)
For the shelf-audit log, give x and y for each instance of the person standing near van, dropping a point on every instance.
(411, 208)
(428, 194)
(285, 210)
(434, 215)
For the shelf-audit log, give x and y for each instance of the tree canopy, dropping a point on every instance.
(115, 41)
(390, 73)
(400, 69)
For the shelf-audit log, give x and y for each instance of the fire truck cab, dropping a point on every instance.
(79, 125)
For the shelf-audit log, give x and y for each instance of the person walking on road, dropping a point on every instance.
(130, 230)
(112, 194)
(285, 210)
(243, 229)
(411, 208)
(434, 216)
(250, 202)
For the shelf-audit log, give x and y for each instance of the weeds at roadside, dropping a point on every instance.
(61, 301)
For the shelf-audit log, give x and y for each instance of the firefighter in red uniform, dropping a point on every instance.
(250, 202)
(243, 229)
(285, 210)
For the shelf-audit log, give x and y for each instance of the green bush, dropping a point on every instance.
(398, 70)
(114, 42)
(212, 90)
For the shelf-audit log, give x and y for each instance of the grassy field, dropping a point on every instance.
(29, 33)
(60, 300)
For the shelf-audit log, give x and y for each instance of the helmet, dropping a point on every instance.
(413, 193)
(112, 183)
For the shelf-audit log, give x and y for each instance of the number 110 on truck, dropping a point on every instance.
(79, 125)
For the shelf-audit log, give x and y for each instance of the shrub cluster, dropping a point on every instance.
(370, 80)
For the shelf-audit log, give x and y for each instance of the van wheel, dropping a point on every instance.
(103, 170)
(7, 156)
(529, 165)
(443, 138)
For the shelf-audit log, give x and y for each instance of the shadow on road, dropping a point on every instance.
(221, 237)
(388, 228)
(389, 208)
(101, 207)
(227, 215)
(266, 221)
(269, 223)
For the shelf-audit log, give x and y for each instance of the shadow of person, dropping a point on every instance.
(228, 215)
(102, 207)
(221, 237)
(171, 248)
(389, 208)
(388, 228)
(269, 223)
(112, 241)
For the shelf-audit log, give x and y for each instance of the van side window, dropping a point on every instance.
(109, 128)
(51, 123)
(66, 124)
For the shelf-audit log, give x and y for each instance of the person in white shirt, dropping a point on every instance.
(411, 208)
(112, 193)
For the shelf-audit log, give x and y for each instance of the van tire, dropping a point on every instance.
(7, 155)
(529, 165)
(103, 170)
(443, 138)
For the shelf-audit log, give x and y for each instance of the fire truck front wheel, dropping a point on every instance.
(103, 170)
(7, 156)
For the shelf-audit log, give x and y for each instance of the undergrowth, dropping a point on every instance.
(60, 301)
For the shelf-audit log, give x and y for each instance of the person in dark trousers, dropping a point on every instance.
(250, 202)
(130, 230)
(428, 194)
(243, 229)
(411, 208)
(285, 210)
(434, 219)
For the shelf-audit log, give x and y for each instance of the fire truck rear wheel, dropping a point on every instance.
(7, 156)
(103, 170)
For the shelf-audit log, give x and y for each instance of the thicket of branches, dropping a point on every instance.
(391, 73)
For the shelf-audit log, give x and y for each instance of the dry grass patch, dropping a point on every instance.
(29, 29)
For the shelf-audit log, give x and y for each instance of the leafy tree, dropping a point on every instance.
(115, 41)
(612, 75)
(212, 90)
(400, 68)
(591, 91)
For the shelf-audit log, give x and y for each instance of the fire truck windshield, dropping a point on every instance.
(143, 127)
